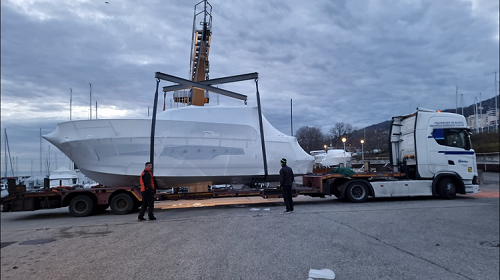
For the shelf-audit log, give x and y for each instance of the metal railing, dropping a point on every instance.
(488, 157)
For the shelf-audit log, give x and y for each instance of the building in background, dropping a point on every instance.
(483, 122)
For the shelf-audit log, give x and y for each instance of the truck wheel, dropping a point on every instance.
(447, 188)
(81, 206)
(357, 192)
(122, 204)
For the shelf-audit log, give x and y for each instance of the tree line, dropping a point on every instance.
(375, 139)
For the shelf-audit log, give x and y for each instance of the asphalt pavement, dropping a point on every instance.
(251, 238)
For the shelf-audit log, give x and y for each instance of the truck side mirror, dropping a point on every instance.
(468, 144)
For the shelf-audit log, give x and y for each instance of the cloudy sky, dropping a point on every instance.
(357, 61)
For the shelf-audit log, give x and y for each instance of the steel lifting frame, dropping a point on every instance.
(207, 85)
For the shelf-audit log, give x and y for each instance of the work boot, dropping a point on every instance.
(152, 218)
(141, 219)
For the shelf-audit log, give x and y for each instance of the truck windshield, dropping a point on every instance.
(452, 137)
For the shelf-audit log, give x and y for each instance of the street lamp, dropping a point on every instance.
(325, 148)
(343, 141)
(362, 151)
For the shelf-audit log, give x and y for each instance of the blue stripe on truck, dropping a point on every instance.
(457, 152)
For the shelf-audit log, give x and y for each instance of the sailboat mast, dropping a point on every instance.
(291, 117)
(481, 112)
(462, 102)
(496, 103)
(475, 114)
(8, 151)
(5, 152)
(70, 101)
(90, 100)
(41, 172)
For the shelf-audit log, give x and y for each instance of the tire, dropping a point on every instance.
(122, 204)
(447, 188)
(357, 192)
(81, 206)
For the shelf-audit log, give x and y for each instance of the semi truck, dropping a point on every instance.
(430, 155)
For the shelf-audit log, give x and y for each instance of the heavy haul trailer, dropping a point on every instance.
(121, 200)
(431, 154)
(80, 202)
(95, 200)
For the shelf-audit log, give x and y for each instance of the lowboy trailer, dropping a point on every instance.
(121, 200)
(80, 202)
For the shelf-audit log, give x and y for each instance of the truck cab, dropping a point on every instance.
(429, 145)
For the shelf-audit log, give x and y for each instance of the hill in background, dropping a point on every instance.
(467, 111)
(485, 142)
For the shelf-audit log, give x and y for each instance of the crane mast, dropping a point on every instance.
(200, 48)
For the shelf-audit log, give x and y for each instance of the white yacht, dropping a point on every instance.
(319, 156)
(216, 144)
(334, 157)
(331, 157)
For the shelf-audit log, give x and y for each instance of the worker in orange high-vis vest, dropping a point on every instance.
(148, 191)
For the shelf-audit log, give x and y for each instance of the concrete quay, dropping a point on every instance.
(251, 238)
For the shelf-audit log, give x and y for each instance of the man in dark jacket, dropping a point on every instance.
(286, 181)
(148, 191)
